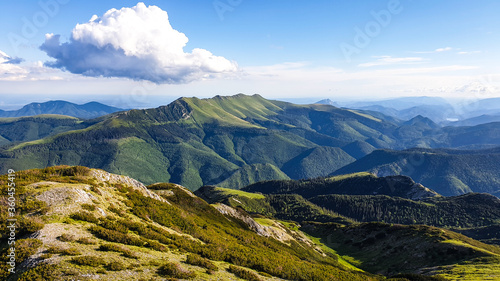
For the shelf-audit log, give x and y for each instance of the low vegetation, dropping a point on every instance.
(185, 237)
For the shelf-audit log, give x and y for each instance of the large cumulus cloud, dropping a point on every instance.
(137, 43)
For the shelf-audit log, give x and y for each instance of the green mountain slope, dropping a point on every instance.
(195, 142)
(252, 173)
(281, 206)
(471, 210)
(449, 172)
(76, 223)
(85, 222)
(87, 111)
(366, 198)
(358, 149)
(316, 162)
(389, 249)
(383, 248)
(22, 129)
(351, 184)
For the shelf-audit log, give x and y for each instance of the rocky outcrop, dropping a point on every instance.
(276, 231)
(109, 178)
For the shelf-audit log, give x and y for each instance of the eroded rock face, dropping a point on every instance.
(277, 232)
(66, 198)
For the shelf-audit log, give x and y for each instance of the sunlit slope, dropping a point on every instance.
(195, 142)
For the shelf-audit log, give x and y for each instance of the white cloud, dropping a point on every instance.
(438, 50)
(137, 43)
(468, 53)
(388, 60)
(11, 69)
(443, 49)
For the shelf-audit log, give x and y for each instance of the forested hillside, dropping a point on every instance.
(448, 172)
(235, 141)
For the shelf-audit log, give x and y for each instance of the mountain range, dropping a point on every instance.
(235, 141)
(441, 111)
(86, 111)
(447, 171)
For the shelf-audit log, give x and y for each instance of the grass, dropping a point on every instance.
(345, 261)
(252, 173)
(365, 115)
(463, 244)
(348, 176)
(228, 191)
(265, 222)
(478, 269)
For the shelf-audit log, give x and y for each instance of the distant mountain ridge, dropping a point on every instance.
(86, 111)
(441, 111)
(448, 172)
(228, 140)
(195, 142)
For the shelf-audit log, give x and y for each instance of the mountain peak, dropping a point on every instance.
(87, 111)
(329, 102)
(421, 120)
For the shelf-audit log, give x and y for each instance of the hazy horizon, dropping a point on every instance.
(155, 101)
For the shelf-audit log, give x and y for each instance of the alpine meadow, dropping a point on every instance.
(250, 140)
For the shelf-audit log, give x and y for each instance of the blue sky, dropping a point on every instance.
(279, 49)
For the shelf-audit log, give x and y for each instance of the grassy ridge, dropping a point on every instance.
(194, 142)
(180, 237)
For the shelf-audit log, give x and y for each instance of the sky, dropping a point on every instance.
(141, 54)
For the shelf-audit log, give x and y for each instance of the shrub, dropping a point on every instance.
(88, 207)
(86, 241)
(30, 204)
(123, 189)
(243, 273)
(46, 256)
(75, 171)
(115, 236)
(67, 252)
(176, 271)
(28, 225)
(66, 237)
(116, 248)
(71, 252)
(44, 272)
(88, 261)
(110, 247)
(26, 248)
(156, 246)
(84, 216)
(113, 225)
(115, 266)
(197, 260)
(115, 210)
